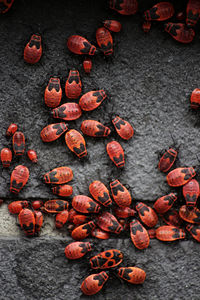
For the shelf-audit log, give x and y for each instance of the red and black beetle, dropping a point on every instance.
(73, 85)
(33, 50)
(79, 45)
(180, 32)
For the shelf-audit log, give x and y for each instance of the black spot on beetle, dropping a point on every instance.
(119, 123)
(104, 198)
(117, 188)
(16, 185)
(59, 129)
(176, 233)
(52, 86)
(74, 78)
(143, 209)
(153, 14)
(80, 150)
(86, 48)
(108, 254)
(173, 30)
(119, 159)
(60, 112)
(52, 177)
(99, 96)
(100, 279)
(34, 43)
(135, 228)
(101, 130)
(126, 273)
(192, 16)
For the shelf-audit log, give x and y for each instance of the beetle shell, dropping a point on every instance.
(116, 153)
(52, 132)
(92, 100)
(87, 65)
(190, 215)
(124, 212)
(63, 190)
(112, 25)
(167, 160)
(105, 40)
(147, 214)
(133, 275)
(5, 5)
(94, 128)
(169, 233)
(160, 12)
(53, 93)
(82, 231)
(108, 222)
(180, 32)
(55, 206)
(139, 235)
(195, 99)
(191, 192)
(77, 250)
(94, 283)
(6, 157)
(100, 193)
(32, 155)
(19, 178)
(84, 204)
(171, 217)
(61, 218)
(73, 85)
(79, 45)
(124, 7)
(107, 259)
(193, 12)
(123, 128)
(164, 203)
(180, 176)
(100, 234)
(58, 175)
(12, 128)
(80, 219)
(194, 230)
(76, 143)
(38, 220)
(33, 50)
(36, 204)
(69, 111)
(27, 221)
(146, 26)
(18, 142)
(16, 206)
(120, 194)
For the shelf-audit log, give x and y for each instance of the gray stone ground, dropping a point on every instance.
(149, 81)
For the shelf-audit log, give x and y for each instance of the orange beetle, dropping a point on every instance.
(55, 206)
(69, 111)
(105, 40)
(120, 194)
(160, 12)
(100, 193)
(133, 275)
(191, 215)
(58, 175)
(32, 155)
(53, 93)
(124, 7)
(195, 99)
(112, 25)
(85, 205)
(16, 206)
(164, 203)
(171, 217)
(92, 100)
(87, 65)
(169, 233)
(19, 178)
(79, 45)
(107, 259)
(76, 250)
(167, 160)
(139, 235)
(94, 283)
(18, 142)
(6, 157)
(191, 192)
(80, 219)
(52, 132)
(100, 234)
(194, 230)
(63, 190)
(12, 128)
(36, 204)
(116, 153)
(94, 128)
(33, 50)
(180, 32)
(38, 220)
(27, 221)
(108, 222)
(193, 12)
(73, 85)
(82, 231)
(147, 214)
(124, 212)
(123, 128)
(5, 5)
(76, 143)
(61, 218)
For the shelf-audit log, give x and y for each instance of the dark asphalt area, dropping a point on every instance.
(149, 81)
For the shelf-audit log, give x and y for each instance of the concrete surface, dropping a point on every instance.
(149, 81)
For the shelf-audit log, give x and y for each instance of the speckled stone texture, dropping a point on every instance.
(149, 81)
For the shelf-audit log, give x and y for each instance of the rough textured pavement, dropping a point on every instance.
(148, 81)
